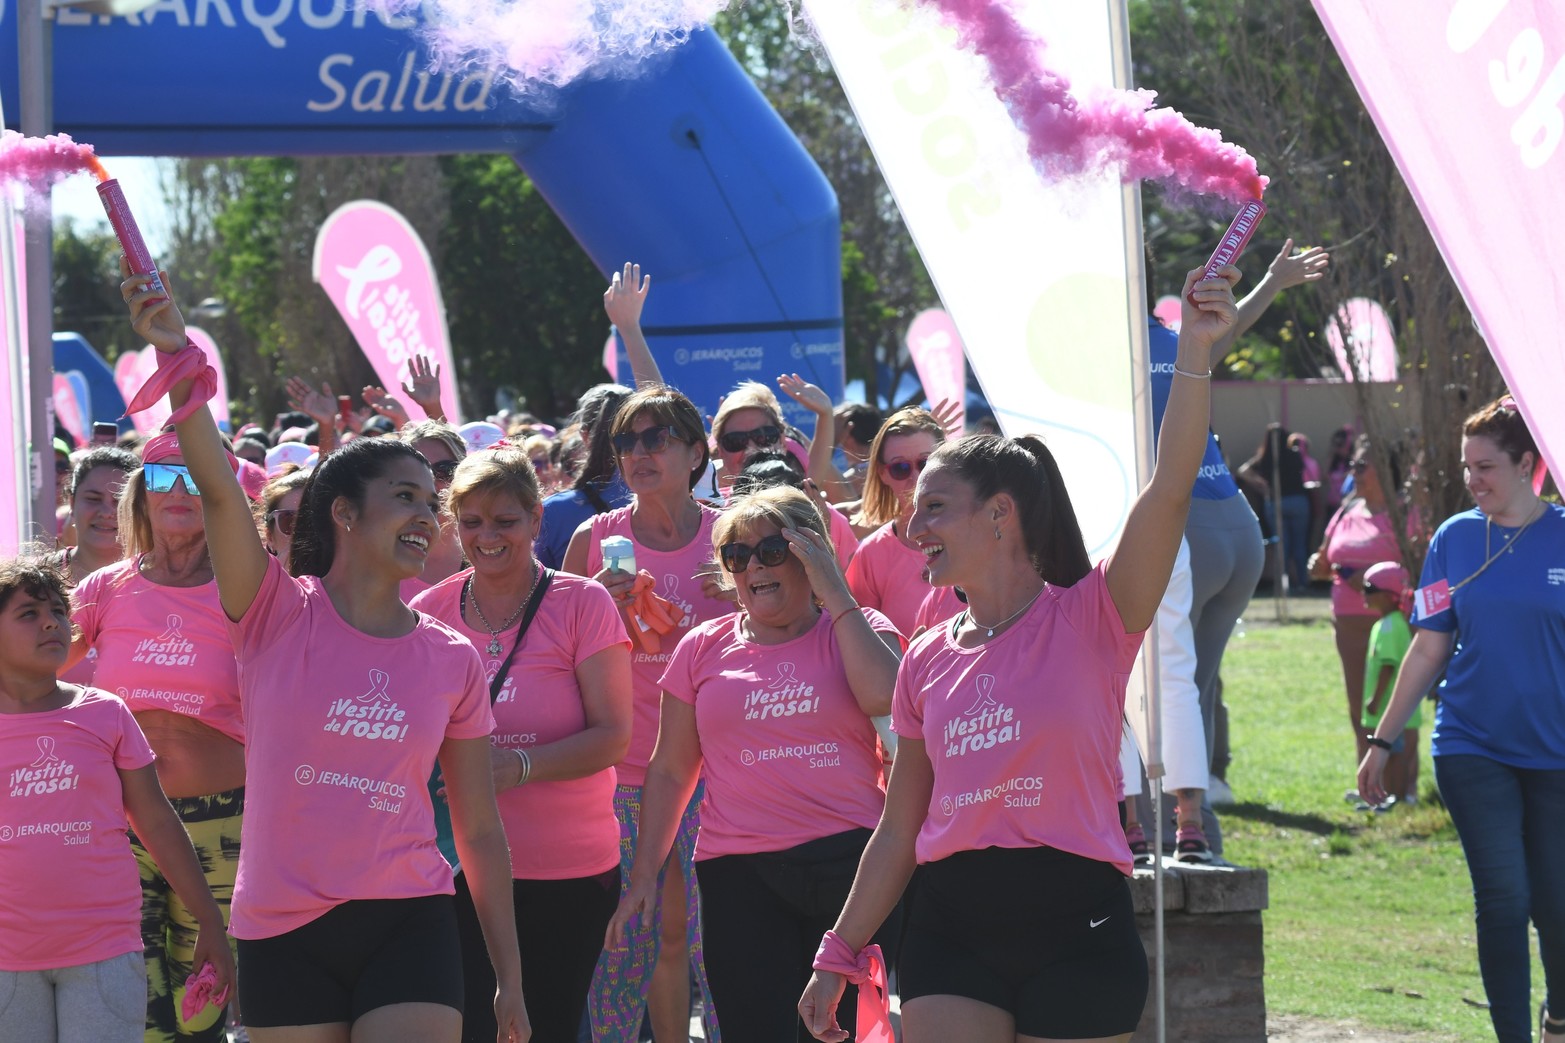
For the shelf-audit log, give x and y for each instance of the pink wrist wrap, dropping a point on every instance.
(866, 969)
(189, 363)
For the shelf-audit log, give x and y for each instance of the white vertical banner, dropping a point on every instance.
(1037, 276)
(15, 485)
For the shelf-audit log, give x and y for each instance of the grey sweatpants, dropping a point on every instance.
(1226, 557)
(103, 1002)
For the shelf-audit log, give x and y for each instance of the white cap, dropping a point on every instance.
(279, 456)
(480, 435)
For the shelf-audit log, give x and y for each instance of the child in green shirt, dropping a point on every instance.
(1386, 591)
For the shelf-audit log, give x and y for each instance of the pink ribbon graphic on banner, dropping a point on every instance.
(374, 267)
(937, 352)
(1488, 173)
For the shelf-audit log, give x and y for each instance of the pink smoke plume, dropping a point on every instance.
(1067, 135)
(532, 44)
(39, 164)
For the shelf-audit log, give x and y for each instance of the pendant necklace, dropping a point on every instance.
(989, 630)
(493, 647)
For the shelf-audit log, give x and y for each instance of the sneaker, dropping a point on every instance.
(1140, 848)
(1190, 845)
(1352, 797)
(1219, 792)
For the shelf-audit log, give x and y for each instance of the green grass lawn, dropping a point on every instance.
(1371, 916)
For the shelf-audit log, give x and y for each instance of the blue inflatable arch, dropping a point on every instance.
(686, 169)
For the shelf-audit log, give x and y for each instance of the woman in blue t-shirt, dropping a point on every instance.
(1490, 614)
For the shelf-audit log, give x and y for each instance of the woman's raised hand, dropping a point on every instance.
(423, 384)
(153, 315)
(626, 296)
(1207, 306)
(1295, 269)
(320, 406)
(819, 559)
(806, 394)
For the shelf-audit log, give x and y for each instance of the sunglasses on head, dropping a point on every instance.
(283, 519)
(761, 437)
(160, 478)
(653, 440)
(902, 470)
(772, 550)
(444, 470)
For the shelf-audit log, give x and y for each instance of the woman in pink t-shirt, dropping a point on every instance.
(1006, 789)
(775, 703)
(562, 720)
(443, 446)
(661, 449)
(1359, 535)
(78, 770)
(96, 485)
(160, 642)
(887, 574)
(342, 905)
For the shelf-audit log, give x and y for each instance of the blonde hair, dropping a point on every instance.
(135, 521)
(440, 431)
(495, 472)
(750, 394)
(880, 503)
(782, 506)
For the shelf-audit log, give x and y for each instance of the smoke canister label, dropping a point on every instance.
(1235, 239)
(128, 232)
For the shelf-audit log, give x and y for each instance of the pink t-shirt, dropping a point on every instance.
(843, 539)
(888, 575)
(72, 891)
(1358, 539)
(411, 588)
(676, 581)
(789, 756)
(559, 830)
(940, 605)
(1023, 732)
(160, 648)
(344, 731)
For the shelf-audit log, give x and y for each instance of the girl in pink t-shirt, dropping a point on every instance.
(661, 449)
(96, 485)
(887, 574)
(77, 772)
(562, 720)
(342, 906)
(775, 703)
(1007, 783)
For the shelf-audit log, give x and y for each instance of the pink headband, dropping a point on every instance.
(166, 445)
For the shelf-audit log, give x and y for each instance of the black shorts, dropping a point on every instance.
(358, 957)
(1048, 936)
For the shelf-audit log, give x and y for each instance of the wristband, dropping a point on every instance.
(527, 765)
(1193, 376)
(1378, 743)
(866, 969)
(856, 610)
(188, 363)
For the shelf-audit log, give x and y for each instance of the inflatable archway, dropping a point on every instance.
(686, 169)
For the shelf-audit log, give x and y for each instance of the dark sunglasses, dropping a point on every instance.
(902, 470)
(653, 440)
(160, 478)
(444, 470)
(761, 437)
(283, 519)
(772, 550)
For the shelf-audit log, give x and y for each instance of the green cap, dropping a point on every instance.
(62, 447)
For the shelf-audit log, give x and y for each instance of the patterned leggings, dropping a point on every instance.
(618, 1000)
(167, 927)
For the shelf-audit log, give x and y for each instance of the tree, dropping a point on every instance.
(86, 289)
(884, 282)
(1267, 74)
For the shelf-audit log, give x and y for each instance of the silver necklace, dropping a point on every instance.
(989, 630)
(494, 632)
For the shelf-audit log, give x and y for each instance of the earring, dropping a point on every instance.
(997, 534)
(348, 528)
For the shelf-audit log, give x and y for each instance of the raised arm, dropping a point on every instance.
(622, 302)
(824, 438)
(321, 407)
(423, 386)
(1287, 269)
(238, 558)
(1140, 565)
(869, 657)
(1425, 661)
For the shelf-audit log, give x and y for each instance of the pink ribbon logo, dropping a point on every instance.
(46, 754)
(785, 676)
(986, 700)
(175, 625)
(377, 693)
(379, 264)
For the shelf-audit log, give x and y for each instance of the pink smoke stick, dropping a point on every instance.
(128, 233)
(1233, 242)
(1068, 135)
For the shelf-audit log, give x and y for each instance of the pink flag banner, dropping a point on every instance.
(219, 403)
(940, 359)
(374, 267)
(131, 370)
(611, 358)
(1468, 96)
(1362, 341)
(69, 409)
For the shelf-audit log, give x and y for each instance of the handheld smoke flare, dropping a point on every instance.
(127, 232)
(1235, 239)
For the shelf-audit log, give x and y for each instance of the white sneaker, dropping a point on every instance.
(1219, 792)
